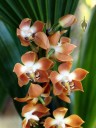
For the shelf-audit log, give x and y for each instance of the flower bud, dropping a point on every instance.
(67, 20)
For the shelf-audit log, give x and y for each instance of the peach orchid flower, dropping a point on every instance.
(35, 92)
(27, 33)
(32, 114)
(67, 20)
(32, 69)
(72, 121)
(62, 49)
(65, 82)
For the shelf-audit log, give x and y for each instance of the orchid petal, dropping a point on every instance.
(59, 113)
(25, 99)
(25, 22)
(54, 39)
(42, 40)
(45, 63)
(35, 90)
(62, 57)
(49, 122)
(46, 88)
(65, 67)
(47, 100)
(64, 40)
(64, 97)
(54, 77)
(28, 125)
(58, 88)
(23, 80)
(43, 76)
(74, 121)
(77, 86)
(27, 108)
(22, 40)
(38, 25)
(28, 58)
(24, 123)
(41, 108)
(67, 48)
(79, 74)
(18, 69)
(67, 20)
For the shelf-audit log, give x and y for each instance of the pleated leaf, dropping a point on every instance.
(13, 11)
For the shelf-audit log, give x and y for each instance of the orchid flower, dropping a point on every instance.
(32, 114)
(72, 121)
(37, 92)
(27, 33)
(61, 49)
(33, 69)
(65, 82)
(67, 20)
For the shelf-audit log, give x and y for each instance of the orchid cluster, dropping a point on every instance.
(48, 47)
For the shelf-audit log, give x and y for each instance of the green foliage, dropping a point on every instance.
(9, 54)
(3, 96)
(85, 104)
(11, 13)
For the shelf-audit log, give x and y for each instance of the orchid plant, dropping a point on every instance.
(48, 46)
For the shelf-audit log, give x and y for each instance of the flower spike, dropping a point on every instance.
(47, 45)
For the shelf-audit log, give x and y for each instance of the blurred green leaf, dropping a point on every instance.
(85, 104)
(3, 96)
(10, 53)
(11, 13)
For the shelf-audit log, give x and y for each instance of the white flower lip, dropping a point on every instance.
(60, 122)
(57, 48)
(65, 76)
(27, 31)
(29, 115)
(36, 66)
(30, 67)
(33, 29)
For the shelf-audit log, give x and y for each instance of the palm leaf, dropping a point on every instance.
(85, 104)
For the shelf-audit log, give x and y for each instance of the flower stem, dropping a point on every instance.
(41, 100)
(54, 28)
(33, 47)
(50, 53)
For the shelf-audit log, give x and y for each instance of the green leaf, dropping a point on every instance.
(45, 10)
(3, 96)
(85, 104)
(10, 53)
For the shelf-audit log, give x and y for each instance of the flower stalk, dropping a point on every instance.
(50, 53)
(41, 100)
